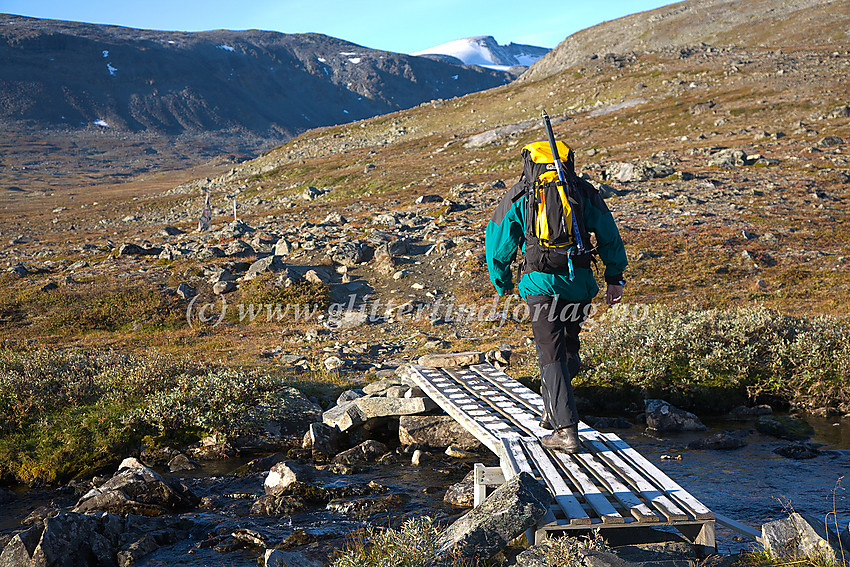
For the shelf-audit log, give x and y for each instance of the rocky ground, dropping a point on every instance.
(726, 170)
(381, 456)
(735, 157)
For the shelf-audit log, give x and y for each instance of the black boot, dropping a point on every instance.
(544, 421)
(564, 439)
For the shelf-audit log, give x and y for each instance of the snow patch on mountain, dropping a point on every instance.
(485, 51)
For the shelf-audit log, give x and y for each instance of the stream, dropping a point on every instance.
(752, 485)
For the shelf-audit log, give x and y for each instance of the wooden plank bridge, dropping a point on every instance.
(606, 485)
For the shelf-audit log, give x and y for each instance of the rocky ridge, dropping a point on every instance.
(715, 23)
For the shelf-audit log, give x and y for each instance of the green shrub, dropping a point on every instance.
(751, 350)
(410, 546)
(68, 413)
(221, 399)
(37, 383)
(413, 545)
(96, 306)
(567, 550)
(265, 289)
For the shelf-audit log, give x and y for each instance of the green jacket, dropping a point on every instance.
(506, 231)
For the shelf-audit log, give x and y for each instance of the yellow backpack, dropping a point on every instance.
(550, 241)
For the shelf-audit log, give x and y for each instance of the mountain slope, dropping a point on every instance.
(265, 82)
(715, 22)
(485, 51)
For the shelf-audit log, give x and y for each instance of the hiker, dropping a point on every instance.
(556, 277)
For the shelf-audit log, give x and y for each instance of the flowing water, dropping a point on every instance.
(752, 485)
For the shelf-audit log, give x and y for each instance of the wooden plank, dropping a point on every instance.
(592, 495)
(540, 534)
(531, 399)
(739, 527)
(598, 501)
(644, 487)
(490, 476)
(519, 462)
(621, 493)
(505, 408)
(563, 494)
(701, 535)
(515, 461)
(495, 399)
(699, 510)
(553, 478)
(479, 487)
(480, 421)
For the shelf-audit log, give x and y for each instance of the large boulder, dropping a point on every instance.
(284, 474)
(208, 252)
(744, 412)
(367, 451)
(798, 451)
(384, 384)
(356, 412)
(485, 530)
(130, 249)
(625, 172)
(451, 360)
(798, 536)
(322, 439)
(435, 431)
(239, 248)
(234, 229)
(280, 558)
(720, 441)
(571, 551)
(462, 494)
(65, 539)
(269, 264)
(729, 158)
(136, 489)
(662, 416)
(784, 427)
(181, 462)
(347, 254)
(283, 248)
(294, 410)
(363, 507)
(71, 539)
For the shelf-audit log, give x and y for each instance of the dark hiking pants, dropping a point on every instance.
(556, 324)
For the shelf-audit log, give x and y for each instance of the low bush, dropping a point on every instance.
(221, 399)
(413, 545)
(410, 546)
(753, 351)
(266, 289)
(70, 413)
(102, 305)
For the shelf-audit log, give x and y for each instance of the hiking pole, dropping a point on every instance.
(562, 177)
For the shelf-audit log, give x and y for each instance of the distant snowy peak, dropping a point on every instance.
(484, 51)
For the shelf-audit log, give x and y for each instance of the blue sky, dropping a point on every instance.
(403, 26)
